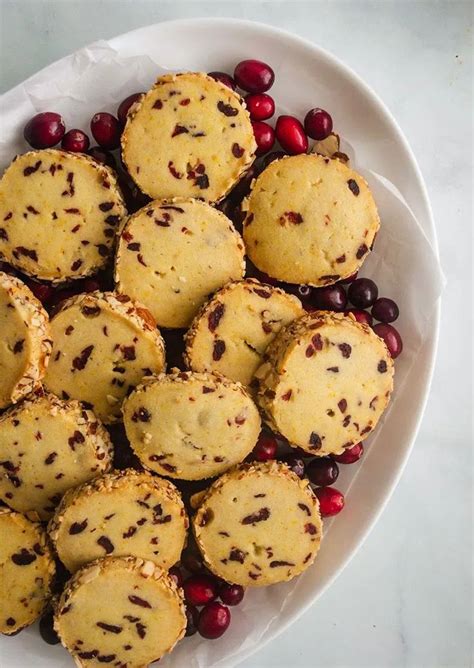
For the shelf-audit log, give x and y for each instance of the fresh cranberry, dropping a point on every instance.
(266, 447)
(224, 78)
(296, 464)
(106, 129)
(271, 157)
(254, 76)
(214, 620)
(349, 279)
(361, 316)
(330, 298)
(41, 291)
(231, 594)
(46, 628)
(362, 292)
(102, 156)
(350, 455)
(385, 310)
(291, 135)
(44, 130)
(303, 292)
(318, 124)
(200, 589)
(176, 575)
(91, 285)
(322, 471)
(392, 338)
(264, 136)
(192, 560)
(331, 500)
(125, 105)
(192, 616)
(260, 106)
(75, 141)
(253, 272)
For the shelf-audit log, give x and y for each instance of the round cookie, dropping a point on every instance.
(310, 220)
(25, 344)
(58, 214)
(191, 425)
(48, 446)
(121, 612)
(173, 254)
(26, 571)
(232, 331)
(258, 525)
(119, 514)
(103, 345)
(189, 136)
(325, 383)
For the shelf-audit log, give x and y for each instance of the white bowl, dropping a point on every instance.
(306, 76)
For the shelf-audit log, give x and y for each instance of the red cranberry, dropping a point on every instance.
(105, 129)
(260, 106)
(322, 471)
(331, 500)
(41, 291)
(176, 575)
(362, 292)
(350, 455)
(102, 156)
(330, 298)
(385, 310)
(231, 594)
(261, 276)
(392, 338)
(125, 105)
(44, 130)
(224, 78)
(192, 560)
(270, 157)
(264, 136)
(361, 316)
(214, 620)
(350, 278)
(192, 616)
(266, 447)
(46, 628)
(291, 135)
(318, 124)
(200, 589)
(303, 292)
(296, 464)
(254, 76)
(75, 141)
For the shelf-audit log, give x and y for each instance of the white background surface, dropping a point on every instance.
(406, 598)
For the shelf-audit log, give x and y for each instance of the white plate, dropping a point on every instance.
(306, 76)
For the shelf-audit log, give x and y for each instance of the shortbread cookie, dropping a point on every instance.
(26, 571)
(48, 446)
(58, 214)
(120, 612)
(120, 514)
(191, 425)
(310, 220)
(103, 345)
(25, 344)
(173, 254)
(189, 136)
(325, 383)
(232, 331)
(258, 524)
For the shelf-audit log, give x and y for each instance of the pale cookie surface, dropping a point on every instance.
(326, 382)
(173, 254)
(232, 331)
(25, 344)
(189, 136)
(191, 425)
(310, 220)
(58, 214)
(48, 446)
(258, 525)
(26, 571)
(120, 612)
(120, 514)
(103, 344)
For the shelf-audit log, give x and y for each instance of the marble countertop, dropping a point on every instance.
(405, 600)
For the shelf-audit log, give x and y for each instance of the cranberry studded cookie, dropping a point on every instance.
(58, 214)
(232, 331)
(189, 136)
(173, 254)
(191, 425)
(25, 344)
(310, 220)
(26, 571)
(120, 514)
(325, 383)
(103, 344)
(258, 525)
(120, 612)
(48, 446)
